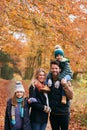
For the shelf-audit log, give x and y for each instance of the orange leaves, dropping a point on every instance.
(78, 115)
(45, 23)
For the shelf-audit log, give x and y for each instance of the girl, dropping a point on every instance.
(17, 111)
(40, 109)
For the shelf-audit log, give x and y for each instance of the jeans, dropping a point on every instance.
(38, 126)
(59, 122)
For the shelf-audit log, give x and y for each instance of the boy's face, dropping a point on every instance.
(19, 94)
(59, 57)
(55, 70)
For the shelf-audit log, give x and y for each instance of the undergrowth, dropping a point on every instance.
(79, 102)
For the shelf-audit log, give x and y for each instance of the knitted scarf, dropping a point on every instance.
(39, 85)
(19, 100)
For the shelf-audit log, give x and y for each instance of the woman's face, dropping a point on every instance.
(41, 77)
(19, 94)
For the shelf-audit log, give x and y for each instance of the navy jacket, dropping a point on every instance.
(55, 97)
(26, 120)
(37, 113)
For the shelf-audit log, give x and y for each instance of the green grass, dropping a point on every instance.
(79, 103)
(82, 118)
(80, 100)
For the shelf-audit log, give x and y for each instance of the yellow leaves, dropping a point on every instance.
(17, 77)
(13, 47)
(10, 65)
(45, 24)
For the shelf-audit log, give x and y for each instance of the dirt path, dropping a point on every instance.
(6, 91)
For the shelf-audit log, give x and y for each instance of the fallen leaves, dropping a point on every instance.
(78, 115)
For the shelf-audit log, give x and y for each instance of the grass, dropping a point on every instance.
(79, 103)
(82, 118)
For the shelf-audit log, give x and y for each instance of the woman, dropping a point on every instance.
(40, 109)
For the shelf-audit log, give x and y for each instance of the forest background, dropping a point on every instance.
(29, 30)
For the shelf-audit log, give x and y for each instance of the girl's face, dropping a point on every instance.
(41, 77)
(19, 94)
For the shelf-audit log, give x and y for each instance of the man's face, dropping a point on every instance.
(55, 70)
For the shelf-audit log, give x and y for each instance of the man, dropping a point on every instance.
(60, 113)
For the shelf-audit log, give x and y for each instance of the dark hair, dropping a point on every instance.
(55, 62)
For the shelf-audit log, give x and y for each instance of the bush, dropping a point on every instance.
(6, 72)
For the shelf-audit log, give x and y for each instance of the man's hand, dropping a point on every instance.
(47, 109)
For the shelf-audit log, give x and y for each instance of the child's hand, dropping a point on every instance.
(63, 81)
(57, 84)
(49, 82)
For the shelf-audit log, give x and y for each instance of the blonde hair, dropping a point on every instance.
(35, 76)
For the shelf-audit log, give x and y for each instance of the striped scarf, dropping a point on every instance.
(19, 100)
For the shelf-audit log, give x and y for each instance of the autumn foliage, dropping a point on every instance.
(29, 30)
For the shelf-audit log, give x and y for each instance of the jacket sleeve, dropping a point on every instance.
(7, 120)
(36, 105)
(66, 71)
(68, 88)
